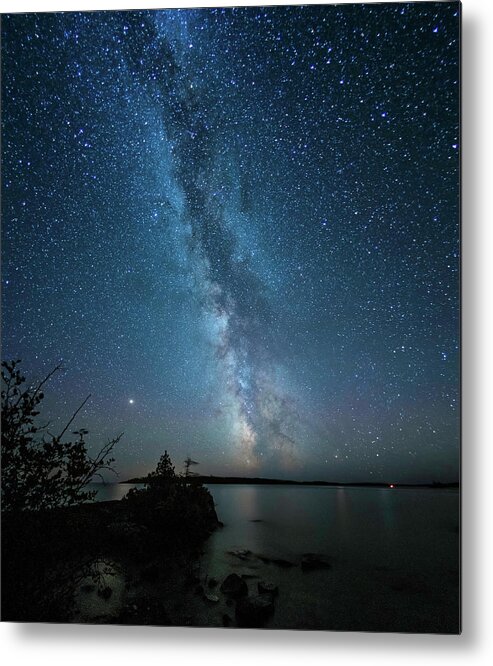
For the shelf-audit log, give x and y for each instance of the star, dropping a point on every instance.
(269, 257)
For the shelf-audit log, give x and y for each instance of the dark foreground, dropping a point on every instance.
(123, 562)
(162, 558)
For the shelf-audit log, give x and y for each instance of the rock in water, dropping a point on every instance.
(267, 588)
(234, 586)
(254, 611)
(311, 562)
(240, 553)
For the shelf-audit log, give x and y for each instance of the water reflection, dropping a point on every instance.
(388, 551)
(387, 507)
(366, 526)
(106, 492)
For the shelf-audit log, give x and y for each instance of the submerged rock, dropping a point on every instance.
(265, 587)
(254, 611)
(311, 562)
(234, 586)
(279, 562)
(241, 553)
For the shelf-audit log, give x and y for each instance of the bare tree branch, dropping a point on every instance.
(73, 417)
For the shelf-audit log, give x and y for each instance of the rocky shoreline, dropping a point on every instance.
(148, 560)
(107, 561)
(130, 562)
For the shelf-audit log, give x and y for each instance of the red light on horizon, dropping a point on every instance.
(391, 485)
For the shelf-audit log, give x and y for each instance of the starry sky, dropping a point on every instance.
(239, 230)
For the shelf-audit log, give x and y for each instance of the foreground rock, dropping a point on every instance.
(155, 534)
(234, 586)
(254, 611)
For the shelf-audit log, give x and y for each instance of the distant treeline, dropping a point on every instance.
(281, 482)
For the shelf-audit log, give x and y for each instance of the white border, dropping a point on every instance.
(76, 645)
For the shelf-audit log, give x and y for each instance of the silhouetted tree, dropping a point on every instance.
(188, 462)
(39, 470)
(164, 472)
(172, 510)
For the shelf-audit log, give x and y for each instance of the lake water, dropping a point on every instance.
(106, 492)
(394, 553)
(367, 526)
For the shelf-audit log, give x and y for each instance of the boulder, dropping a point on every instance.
(234, 586)
(254, 611)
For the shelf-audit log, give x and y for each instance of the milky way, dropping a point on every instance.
(239, 230)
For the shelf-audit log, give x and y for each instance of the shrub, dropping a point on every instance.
(39, 470)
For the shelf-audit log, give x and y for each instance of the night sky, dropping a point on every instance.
(239, 230)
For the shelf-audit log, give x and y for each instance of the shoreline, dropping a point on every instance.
(104, 562)
(124, 570)
(287, 482)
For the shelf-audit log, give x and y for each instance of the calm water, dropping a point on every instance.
(415, 529)
(394, 554)
(106, 492)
